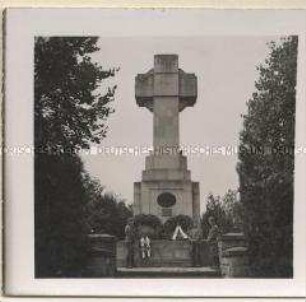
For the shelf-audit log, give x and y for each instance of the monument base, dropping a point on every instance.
(164, 253)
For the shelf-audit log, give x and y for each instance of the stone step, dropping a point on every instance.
(173, 272)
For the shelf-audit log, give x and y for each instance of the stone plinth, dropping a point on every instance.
(186, 193)
(234, 262)
(102, 256)
(230, 240)
(165, 253)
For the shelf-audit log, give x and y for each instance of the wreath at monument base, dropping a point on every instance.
(169, 226)
(148, 224)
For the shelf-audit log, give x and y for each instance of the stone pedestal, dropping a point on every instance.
(166, 188)
(235, 263)
(172, 184)
(102, 256)
(233, 255)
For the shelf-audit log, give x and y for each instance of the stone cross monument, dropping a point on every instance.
(166, 188)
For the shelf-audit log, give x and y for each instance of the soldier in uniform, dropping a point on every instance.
(213, 239)
(195, 237)
(130, 242)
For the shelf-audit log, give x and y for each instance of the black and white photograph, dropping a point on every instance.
(167, 155)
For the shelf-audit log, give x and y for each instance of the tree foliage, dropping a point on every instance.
(266, 162)
(233, 210)
(215, 208)
(60, 235)
(70, 109)
(105, 213)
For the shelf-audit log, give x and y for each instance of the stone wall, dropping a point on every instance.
(105, 254)
(165, 253)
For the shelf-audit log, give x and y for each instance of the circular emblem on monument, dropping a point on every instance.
(166, 200)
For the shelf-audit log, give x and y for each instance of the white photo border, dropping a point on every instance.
(22, 25)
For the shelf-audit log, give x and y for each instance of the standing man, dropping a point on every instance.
(195, 236)
(130, 242)
(213, 239)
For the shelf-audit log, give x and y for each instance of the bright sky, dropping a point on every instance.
(226, 71)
